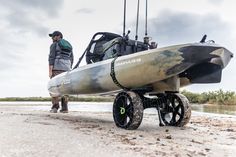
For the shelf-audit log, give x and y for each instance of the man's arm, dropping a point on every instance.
(51, 58)
(50, 71)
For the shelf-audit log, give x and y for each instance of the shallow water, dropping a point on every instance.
(220, 109)
(73, 106)
(107, 107)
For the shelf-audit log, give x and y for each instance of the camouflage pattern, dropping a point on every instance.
(164, 69)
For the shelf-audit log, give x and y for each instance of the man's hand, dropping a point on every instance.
(50, 74)
(50, 71)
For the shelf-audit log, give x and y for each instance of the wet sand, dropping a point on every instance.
(37, 133)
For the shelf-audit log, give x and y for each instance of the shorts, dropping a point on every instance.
(56, 72)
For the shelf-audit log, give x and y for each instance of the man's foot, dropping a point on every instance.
(64, 111)
(53, 110)
(64, 104)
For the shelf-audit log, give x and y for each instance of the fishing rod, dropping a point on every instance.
(137, 20)
(146, 38)
(124, 18)
(146, 19)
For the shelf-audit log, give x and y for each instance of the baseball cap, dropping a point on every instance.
(55, 33)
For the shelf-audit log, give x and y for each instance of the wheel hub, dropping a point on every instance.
(122, 110)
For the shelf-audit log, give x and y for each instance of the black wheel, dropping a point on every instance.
(176, 111)
(128, 110)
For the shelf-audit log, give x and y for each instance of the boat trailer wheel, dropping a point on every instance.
(176, 110)
(128, 110)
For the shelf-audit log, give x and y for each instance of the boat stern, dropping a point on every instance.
(207, 61)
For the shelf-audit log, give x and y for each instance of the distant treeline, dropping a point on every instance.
(218, 97)
(71, 98)
(214, 97)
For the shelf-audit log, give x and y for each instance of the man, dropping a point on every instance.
(60, 60)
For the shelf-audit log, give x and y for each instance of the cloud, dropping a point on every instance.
(50, 7)
(85, 11)
(179, 27)
(216, 2)
(20, 20)
(11, 51)
(28, 24)
(27, 16)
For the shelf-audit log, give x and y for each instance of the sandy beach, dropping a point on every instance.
(37, 133)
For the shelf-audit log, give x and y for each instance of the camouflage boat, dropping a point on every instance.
(137, 71)
(159, 70)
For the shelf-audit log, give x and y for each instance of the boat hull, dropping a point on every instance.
(161, 69)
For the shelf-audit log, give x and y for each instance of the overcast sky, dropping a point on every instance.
(25, 25)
